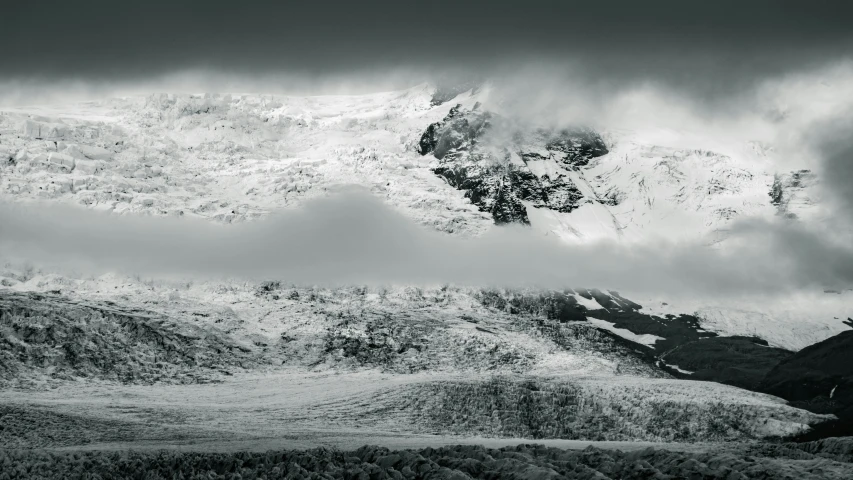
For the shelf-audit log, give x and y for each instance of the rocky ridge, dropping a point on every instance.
(475, 156)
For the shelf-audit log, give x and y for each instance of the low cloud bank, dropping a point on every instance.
(40, 90)
(353, 238)
(805, 113)
(834, 147)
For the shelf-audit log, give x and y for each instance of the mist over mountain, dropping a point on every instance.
(266, 235)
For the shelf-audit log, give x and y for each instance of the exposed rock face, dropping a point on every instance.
(838, 448)
(820, 375)
(788, 193)
(575, 147)
(677, 344)
(739, 361)
(497, 189)
(490, 158)
(456, 131)
(819, 378)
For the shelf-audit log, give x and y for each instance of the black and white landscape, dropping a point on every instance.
(451, 240)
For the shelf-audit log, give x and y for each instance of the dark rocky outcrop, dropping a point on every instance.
(684, 346)
(818, 378)
(553, 305)
(819, 373)
(456, 133)
(487, 156)
(578, 146)
(836, 448)
(497, 189)
(461, 462)
(739, 361)
(675, 330)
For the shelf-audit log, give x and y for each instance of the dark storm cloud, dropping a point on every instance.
(713, 45)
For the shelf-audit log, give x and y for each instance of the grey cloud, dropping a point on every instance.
(832, 140)
(353, 238)
(687, 64)
(710, 49)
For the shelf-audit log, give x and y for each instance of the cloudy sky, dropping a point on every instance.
(700, 45)
(775, 70)
(352, 237)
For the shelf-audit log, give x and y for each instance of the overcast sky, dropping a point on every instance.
(696, 44)
(773, 70)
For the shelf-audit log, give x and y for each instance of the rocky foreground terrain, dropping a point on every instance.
(401, 368)
(829, 460)
(220, 370)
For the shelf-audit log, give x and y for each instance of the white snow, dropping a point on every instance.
(792, 321)
(235, 158)
(789, 326)
(677, 368)
(666, 186)
(590, 304)
(209, 155)
(590, 222)
(645, 339)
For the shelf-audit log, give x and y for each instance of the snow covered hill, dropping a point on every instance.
(233, 158)
(449, 162)
(388, 363)
(439, 156)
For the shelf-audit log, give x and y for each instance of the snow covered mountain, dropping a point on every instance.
(494, 162)
(442, 157)
(233, 158)
(439, 156)
(446, 160)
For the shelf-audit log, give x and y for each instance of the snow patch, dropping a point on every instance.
(786, 324)
(644, 339)
(677, 368)
(589, 304)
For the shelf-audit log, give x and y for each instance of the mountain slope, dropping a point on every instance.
(232, 158)
(819, 375)
(503, 167)
(504, 362)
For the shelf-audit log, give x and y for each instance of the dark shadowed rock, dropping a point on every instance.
(739, 361)
(787, 187)
(684, 349)
(489, 158)
(818, 377)
(579, 146)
